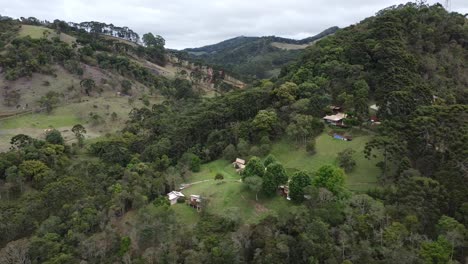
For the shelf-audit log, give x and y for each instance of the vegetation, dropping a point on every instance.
(253, 57)
(106, 203)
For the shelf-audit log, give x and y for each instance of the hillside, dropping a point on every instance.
(255, 57)
(23, 87)
(356, 153)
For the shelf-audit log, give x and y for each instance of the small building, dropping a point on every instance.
(195, 201)
(336, 119)
(284, 191)
(335, 109)
(374, 107)
(239, 165)
(173, 196)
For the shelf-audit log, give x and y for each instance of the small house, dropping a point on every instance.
(174, 196)
(335, 109)
(195, 201)
(284, 191)
(374, 107)
(239, 165)
(336, 119)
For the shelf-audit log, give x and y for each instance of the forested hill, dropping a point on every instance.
(105, 201)
(255, 57)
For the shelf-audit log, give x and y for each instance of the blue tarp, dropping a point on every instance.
(338, 137)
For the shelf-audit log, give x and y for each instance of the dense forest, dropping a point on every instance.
(252, 58)
(65, 203)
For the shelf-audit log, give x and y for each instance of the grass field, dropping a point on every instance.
(65, 117)
(38, 32)
(231, 198)
(364, 175)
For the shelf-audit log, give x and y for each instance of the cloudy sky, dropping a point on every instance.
(194, 23)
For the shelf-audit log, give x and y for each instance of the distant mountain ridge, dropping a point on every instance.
(240, 40)
(252, 58)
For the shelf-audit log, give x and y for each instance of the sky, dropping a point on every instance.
(195, 23)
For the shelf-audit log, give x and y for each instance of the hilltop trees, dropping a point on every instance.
(155, 47)
(153, 41)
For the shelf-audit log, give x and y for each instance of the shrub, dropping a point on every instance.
(181, 200)
(219, 176)
(310, 146)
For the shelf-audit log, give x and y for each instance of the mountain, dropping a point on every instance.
(57, 58)
(355, 153)
(255, 57)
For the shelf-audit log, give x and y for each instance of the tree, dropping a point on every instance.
(151, 40)
(265, 121)
(275, 175)
(270, 159)
(310, 146)
(361, 99)
(303, 127)
(423, 197)
(49, 101)
(21, 141)
(79, 132)
(126, 87)
(254, 183)
(286, 93)
(346, 160)
(453, 231)
(253, 168)
(195, 163)
(33, 169)
(88, 85)
(436, 252)
(54, 137)
(298, 182)
(219, 176)
(331, 178)
(230, 152)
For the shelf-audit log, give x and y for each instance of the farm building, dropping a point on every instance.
(336, 119)
(284, 191)
(173, 196)
(335, 109)
(374, 107)
(195, 201)
(239, 165)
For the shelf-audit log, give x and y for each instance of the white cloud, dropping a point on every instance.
(190, 23)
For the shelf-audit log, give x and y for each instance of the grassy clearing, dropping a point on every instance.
(60, 117)
(230, 197)
(363, 177)
(288, 46)
(65, 117)
(36, 32)
(189, 215)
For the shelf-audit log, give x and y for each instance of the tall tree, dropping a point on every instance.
(79, 132)
(298, 182)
